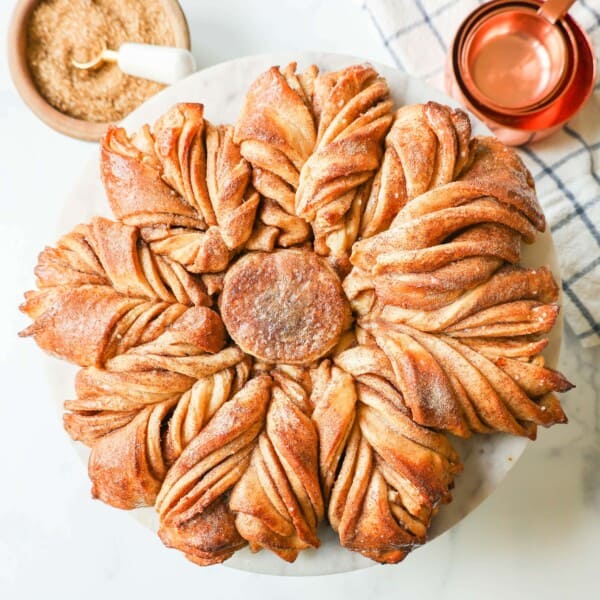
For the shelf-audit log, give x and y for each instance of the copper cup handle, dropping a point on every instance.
(553, 10)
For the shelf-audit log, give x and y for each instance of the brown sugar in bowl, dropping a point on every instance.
(24, 83)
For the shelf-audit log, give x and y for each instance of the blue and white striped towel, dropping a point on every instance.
(566, 166)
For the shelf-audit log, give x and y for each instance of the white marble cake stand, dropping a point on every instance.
(221, 89)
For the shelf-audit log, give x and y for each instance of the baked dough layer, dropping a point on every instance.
(284, 307)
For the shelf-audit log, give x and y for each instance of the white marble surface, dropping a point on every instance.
(537, 536)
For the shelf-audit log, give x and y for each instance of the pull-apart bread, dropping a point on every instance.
(290, 314)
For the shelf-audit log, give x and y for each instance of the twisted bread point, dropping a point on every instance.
(148, 403)
(426, 278)
(106, 399)
(156, 370)
(410, 279)
(277, 501)
(495, 392)
(414, 373)
(138, 423)
(185, 184)
(109, 253)
(142, 409)
(276, 133)
(417, 264)
(102, 292)
(262, 444)
(276, 498)
(382, 474)
(496, 170)
(449, 239)
(427, 147)
(353, 111)
(193, 502)
(314, 143)
(514, 301)
(484, 374)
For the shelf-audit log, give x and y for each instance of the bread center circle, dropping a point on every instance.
(284, 307)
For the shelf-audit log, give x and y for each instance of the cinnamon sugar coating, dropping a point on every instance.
(291, 313)
(284, 307)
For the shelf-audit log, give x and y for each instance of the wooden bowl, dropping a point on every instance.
(21, 76)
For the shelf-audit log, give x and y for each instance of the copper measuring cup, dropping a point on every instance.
(521, 67)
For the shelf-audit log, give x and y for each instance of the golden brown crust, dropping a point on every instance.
(510, 284)
(126, 466)
(487, 393)
(185, 183)
(496, 170)
(108, 253)
(166, 407)
(287, 306)
(260, 223)
(386, 484)
(278, 501)
(314, 142)
(134, 186)
(202, 477)
(427, 147)
(276, 132)
(450, 236)
(353, 111)
(90, 325)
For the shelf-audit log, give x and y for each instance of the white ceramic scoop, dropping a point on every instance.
(164, 64)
